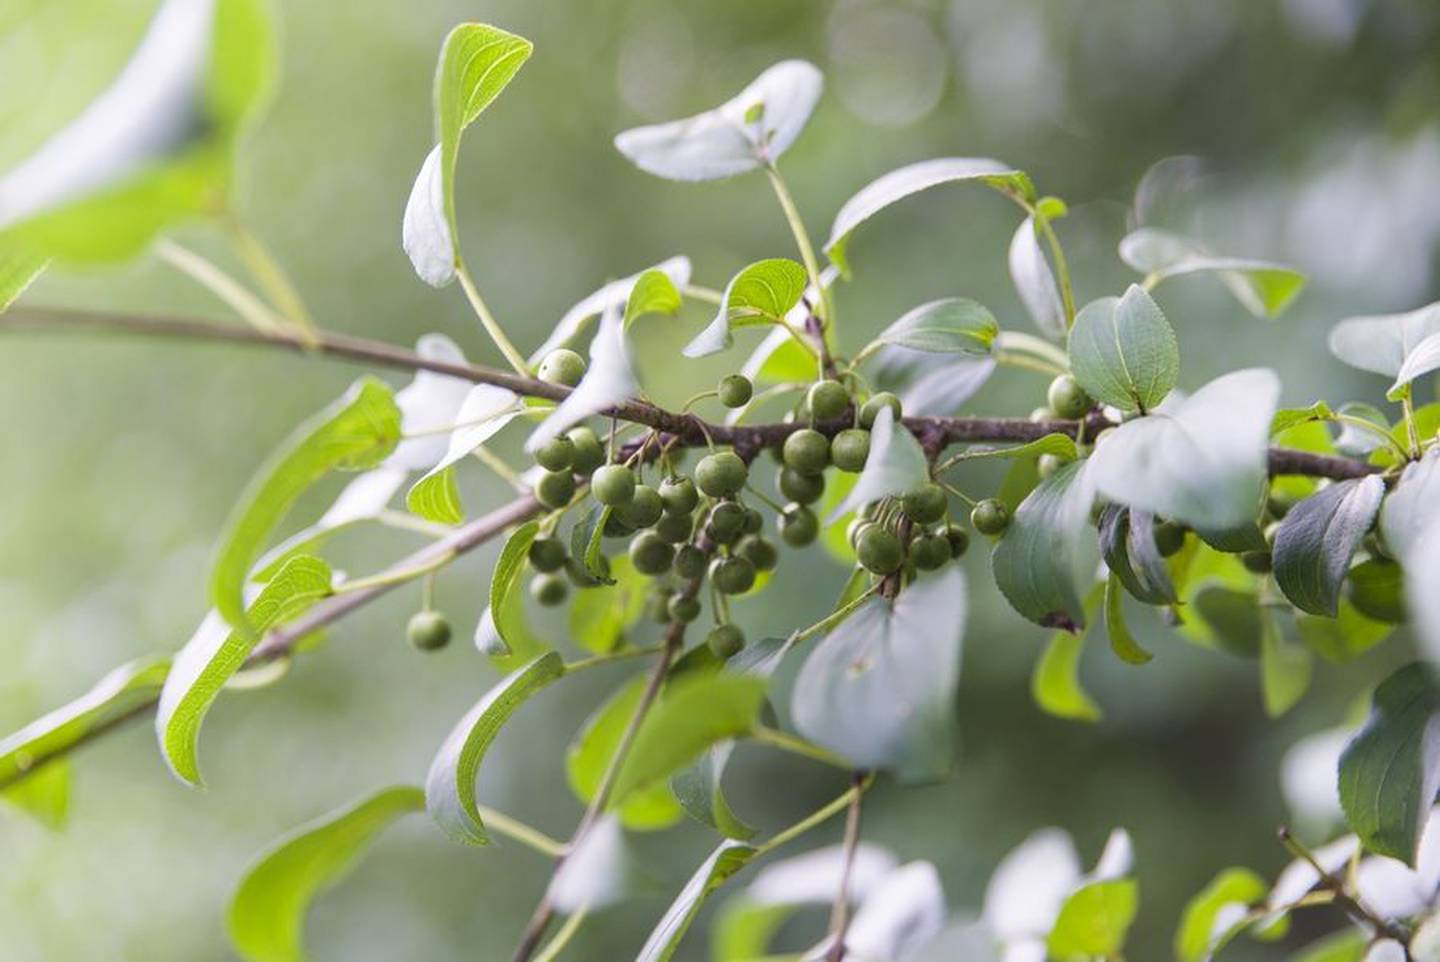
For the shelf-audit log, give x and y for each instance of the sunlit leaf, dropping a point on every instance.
(952, 325)
(1195, 939)
(1055, 682)
(600, 616)
(1122, 641)
(17, 272)
(1265, 289)
(895, 466)
(44, 794)
(1381, 343)
(1123, 352)
(266, 919)
(505, 577)
(654, 293)
(1095, 920)
(745, 133)
(763, 293)
(1317, 539)
(1045, 562)
(450, 785)
(363, 499)
(1035, 281)
(590, 754)
(613, 296)
(725, 861)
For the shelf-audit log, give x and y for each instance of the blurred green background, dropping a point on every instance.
(1317, 120)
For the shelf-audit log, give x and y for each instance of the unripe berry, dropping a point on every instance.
(725, 641)
(798, 525)
(872, 408)
(827, 400)
(804, 488)
(679, 495)
(548, 590)
(1048, 464)
(990, 516)
(849, 449)
(428, 630)
(657, 605)
(879, 550)
(557, 454)
(589, 452)
(721, 474)
(675, 528)
(684, 609)
(1169, 537)
(651, 554)
(754, 522)
(613, 484)
(615, 526)
(547, 554)
(930, 551)
(689, 562)
(926, 504)
(733, 575)
(807, 451)
(959, 540)
(854, 529)
(1067, 398)
(555, 489)
(726, 522)
(643, 509)
(735, 390)
(562, 366)
(759, 552)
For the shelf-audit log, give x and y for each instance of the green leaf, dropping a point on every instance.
(1264, 288)
(44, 794)
(600, 616)
(1317, 539)
(1422, 359)
(762, 293)
(1287, 418)
(895, 466)
(1389, 773)
(477, 62)
(1123, 352)
(693, 715)
(1345, 946)
(1286, 665)
(484, 412)
(1055, 683)
(586, 545)
(122, 691)
(505, 577)
(747, 132)
(1412, 505)
(217, 651)
(1203, 461)
(17, 272)
(729, 858)
(879, 689)
(1127, 543)
(612, 296)
(266, 920)
(698, 789)
(1094, 920)
(590, 754)
(1196, 938)
(1035, 281)
(654, 293)
(952, 325)
(1061, 445)
(1122, 641)
(356, 433)
(156, 148)
(905, 181)
(1045, 562)
(450, 785)
(1376, 589)
(1344, 637)
(1232, 616)
(1381, 343)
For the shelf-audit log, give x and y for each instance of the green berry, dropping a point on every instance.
(1048, 464)
(990, 516)
(679, 495)
(804, 488)
(759, 552)
(613, 484)
(721, 474)
(726, 522)
(657, 605)
(557, 454)
(733, 575)
(879, 550)
(807, 451)
(555, 489)
(644, 507)
(547, 554)
(872, 408)
(684, 609)
(849, 449)
(548, 590)
(853, 530)
(1067, 398)
(725, 641)
(926, 504)
(615, 526)
(1169, 537)
(428, 630)
(754, 522)
(868, 511)
(651, 554)
(959, 540)
(930, 551)
(798, 525)
(1258, 562)
(675, 528)
(562, 366)
(689, 562)
(735, 390)
(589, 452)
(827, 399)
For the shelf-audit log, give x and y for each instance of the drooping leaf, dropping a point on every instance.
(598, 872)
(729, 858)
(1381, 343)
(1233, 617)
(1389, 773)
(450, 785)
(1123, 352)
(17, 272)
(1045, 562)
(485, 410)
(654, 293)
(698, 789)
(1288, 418)
(904, 181)
(943, 389)
(609, 380)
(1412, 505)
(1356, 441)
(1422, 359)
(126, 689)
(613, 296)
(1265, 289)
(156, 148)
(762, 293)
(590, 754)
(1344, 637)
(1095, 920)
(1195, 939)
(1122, 641)
(1286, 665)
(952, 325)
(363, 499)
(585, 545)
(477, 62)
(44, 794)
(505, 577)
(895, 466)
(1127, 543)
(1035, 281)
(1317, 539)
(747, 132)
(880, 688)
(1055, 682)
(1202, 462)
(266, 919)
(217, 651)
(356, 433)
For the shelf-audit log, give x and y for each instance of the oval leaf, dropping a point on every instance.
(589, 757)
(1317, 539)
(1046, 560)
(1264, 289)
(1095, 920)
(1123, 352)
(762, 293)
(952, 325)
(1195, 939)
(1035, 281)
(1380, 343)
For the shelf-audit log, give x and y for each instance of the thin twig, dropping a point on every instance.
(1352, 907)
(840, 911)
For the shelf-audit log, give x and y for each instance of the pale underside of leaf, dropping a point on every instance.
(612, 296)
(1381, 343)
(724, 862)
(1034, 281)
(895, 466)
